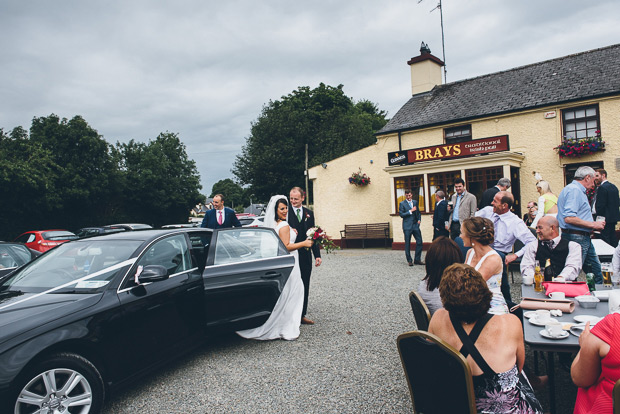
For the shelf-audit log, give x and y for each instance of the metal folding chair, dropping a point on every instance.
(438, 376)
(421, 314)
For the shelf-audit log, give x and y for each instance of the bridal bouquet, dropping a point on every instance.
(320, 237)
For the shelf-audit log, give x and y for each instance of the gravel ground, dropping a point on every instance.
(346, 363)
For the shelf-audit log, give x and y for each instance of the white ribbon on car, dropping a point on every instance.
(73, 282)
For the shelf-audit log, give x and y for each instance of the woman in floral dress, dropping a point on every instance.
(492, 344)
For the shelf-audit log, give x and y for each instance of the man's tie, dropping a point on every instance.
(548, 244)
(299, 215)
(219, 218)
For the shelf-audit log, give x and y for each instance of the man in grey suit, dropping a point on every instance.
(463, 207)
(410, 213)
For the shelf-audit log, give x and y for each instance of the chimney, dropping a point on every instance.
(425, 71)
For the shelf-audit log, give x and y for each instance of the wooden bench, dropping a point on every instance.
(366, 231)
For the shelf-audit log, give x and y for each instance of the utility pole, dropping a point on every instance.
(306, 174)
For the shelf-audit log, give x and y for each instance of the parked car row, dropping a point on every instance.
(14, 255)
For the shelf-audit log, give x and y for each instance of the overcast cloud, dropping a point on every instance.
(204, 69)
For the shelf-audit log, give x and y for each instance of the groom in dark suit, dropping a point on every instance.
(219, 216)
(302, 219)
(606, 204)
(440, 216)
(410, 213)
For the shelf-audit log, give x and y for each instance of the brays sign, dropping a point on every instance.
(442, 152)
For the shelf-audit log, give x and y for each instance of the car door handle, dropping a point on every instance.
(271, 275)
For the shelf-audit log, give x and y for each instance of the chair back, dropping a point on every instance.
(421, 314)
(616, 397)
(438, 376)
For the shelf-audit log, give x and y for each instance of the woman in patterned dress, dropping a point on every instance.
(492, 344)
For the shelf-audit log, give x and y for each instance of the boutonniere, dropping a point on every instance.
(307, 215)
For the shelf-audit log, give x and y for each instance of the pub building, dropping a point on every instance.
(505, 124)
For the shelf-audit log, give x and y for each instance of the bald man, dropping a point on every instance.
(565, 255)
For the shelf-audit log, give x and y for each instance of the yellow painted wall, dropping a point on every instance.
(337, 202)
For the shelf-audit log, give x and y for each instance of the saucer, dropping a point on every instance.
(585, 318)
(534, 321)
(577, 330)
(545, 334)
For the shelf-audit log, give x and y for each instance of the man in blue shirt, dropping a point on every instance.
(575, 218)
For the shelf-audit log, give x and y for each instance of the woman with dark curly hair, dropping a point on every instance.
(492, 344)
(442, 253)
(478, 233)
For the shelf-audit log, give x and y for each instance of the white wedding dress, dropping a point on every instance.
(285, 318)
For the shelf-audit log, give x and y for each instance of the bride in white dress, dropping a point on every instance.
(285, 318)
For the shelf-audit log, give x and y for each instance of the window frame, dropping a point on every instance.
(408, 185)
(586, 119)
(455, 139)
(448, 183)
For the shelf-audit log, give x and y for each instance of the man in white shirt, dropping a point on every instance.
(565, 255)
(508, 228)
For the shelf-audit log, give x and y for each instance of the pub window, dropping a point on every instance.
(415, 183)
(482, 178)
(569, 170)
(441, 181)
(581, 122)
(457, 134)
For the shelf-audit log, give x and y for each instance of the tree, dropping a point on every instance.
(86, 181)
(332, 124)
(27, 183)
(161, 182)
(63, 174)
(234, 194)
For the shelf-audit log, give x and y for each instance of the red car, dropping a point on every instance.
(43, 240)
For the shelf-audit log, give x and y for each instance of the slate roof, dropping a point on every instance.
(591, 74)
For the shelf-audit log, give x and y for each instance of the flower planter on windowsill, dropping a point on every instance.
(580, 147)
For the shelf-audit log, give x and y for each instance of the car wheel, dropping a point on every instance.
(63, 383)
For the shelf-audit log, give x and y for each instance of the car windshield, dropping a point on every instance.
(84, 266)
(59, 235)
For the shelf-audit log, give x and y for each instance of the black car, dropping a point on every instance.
(98, 231)
(93, 314)
(14, 255)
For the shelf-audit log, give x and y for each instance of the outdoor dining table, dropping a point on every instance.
(537, 342)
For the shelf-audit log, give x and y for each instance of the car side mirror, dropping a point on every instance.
(153, 273)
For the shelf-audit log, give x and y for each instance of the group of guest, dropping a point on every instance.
(470, 312)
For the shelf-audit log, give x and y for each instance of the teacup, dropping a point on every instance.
(543, 316)
(557, 295)
(528, 280)
(554, 329)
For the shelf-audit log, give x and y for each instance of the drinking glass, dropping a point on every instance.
(606, 270)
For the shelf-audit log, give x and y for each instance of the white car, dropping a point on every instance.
(252, 221)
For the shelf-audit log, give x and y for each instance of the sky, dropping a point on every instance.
(204, 69)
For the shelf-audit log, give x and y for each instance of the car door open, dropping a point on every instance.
(246, 270)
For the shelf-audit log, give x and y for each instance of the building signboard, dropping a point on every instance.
(447, 151)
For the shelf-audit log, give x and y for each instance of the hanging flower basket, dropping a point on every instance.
(359, 179)
(581, 147)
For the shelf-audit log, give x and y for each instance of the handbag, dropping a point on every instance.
(565, 305)
(570, 289)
